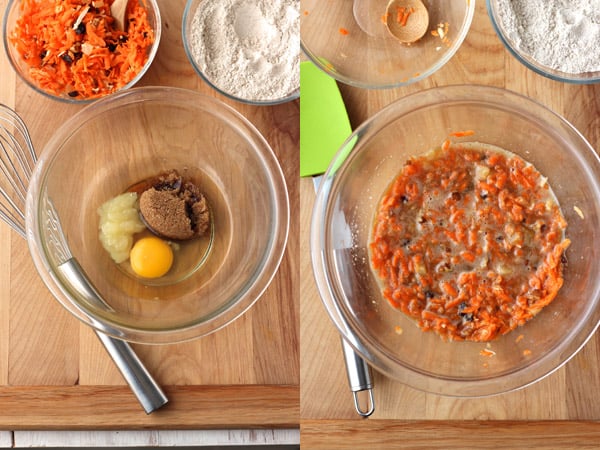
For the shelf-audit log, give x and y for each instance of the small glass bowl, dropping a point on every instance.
(495, 13)
(132, 136)
(13, 12)
(350, 41)
(190, 44)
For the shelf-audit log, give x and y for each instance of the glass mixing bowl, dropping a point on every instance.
(342, 222)
(132, 136)
(12, 14)
(349, 40)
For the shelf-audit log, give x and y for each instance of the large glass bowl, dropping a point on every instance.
(131, 136)
(349, 40)
(496, 14)
(342, 220)
(13, 12)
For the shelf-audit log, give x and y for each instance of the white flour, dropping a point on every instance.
(249, 48)
(561, 34)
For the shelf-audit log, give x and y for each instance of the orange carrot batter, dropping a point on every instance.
(72, 47)
(469, 241)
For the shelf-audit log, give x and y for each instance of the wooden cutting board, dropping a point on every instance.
(413, 418)
(54, 374)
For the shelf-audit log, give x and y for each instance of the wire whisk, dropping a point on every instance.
(17, 161)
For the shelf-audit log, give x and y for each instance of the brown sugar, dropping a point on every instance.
(175, 208)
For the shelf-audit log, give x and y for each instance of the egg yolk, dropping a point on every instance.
(151, 257)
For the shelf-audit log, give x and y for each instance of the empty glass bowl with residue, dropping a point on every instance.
(343, 218)
(350, 41)
(132, 136)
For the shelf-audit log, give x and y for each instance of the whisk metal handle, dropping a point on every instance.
(144, 387)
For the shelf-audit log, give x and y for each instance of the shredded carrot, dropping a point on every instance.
(462, 133)
(344, 31)
(402, 15)
(441, 31)
(469, 241)
(446, 144)
(73, 48)
(399, 14)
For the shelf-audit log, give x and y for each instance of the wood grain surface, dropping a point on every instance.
(416, 419)
(54, 372)
(95, 407)
(447, 434)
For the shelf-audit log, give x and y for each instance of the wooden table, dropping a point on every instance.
(561, 411)
(54, 374)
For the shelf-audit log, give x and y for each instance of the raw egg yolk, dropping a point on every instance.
(151, 257)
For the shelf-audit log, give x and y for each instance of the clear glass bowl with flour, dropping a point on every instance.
(248, 50)
(557, 39)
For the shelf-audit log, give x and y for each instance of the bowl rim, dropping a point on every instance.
(74, 100)
(187, 17)
(467, 22)
(329, 291)
(243, 300)
(532, 64)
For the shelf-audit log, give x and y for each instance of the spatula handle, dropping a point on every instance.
(358, 371)
(359, 379)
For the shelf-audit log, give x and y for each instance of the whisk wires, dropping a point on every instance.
(17, 161)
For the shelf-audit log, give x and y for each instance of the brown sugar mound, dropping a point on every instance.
(175, 208)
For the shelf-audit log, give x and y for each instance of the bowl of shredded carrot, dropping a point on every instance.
(75, 50)
(352, 40)
(452, 241)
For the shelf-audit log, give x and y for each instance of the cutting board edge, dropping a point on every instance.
(114, 408)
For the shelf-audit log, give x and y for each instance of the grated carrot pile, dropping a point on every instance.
(73, 48)
(469, 241)
(402, 15)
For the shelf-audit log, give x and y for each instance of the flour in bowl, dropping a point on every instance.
(562, 35)
(248, 48)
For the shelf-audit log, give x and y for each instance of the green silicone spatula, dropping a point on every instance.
(324, 124)
(324, 127)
